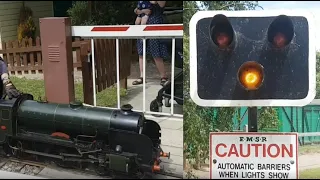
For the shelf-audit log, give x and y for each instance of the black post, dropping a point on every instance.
(252, 119)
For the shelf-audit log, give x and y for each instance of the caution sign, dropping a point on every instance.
(253, 156)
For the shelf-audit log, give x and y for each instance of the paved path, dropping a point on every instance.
(309, 161)
(172, 128)
(135, 93)
(172, 141)
(135, 96)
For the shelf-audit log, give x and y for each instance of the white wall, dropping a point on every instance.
(40, 9)
(9, 19)
(10, 12)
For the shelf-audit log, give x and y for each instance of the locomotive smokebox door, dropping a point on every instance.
(6, 119)
(2, 90)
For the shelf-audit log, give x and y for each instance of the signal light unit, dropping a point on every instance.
(233, 53)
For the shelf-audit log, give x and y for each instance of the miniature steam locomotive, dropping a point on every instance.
(113, 141)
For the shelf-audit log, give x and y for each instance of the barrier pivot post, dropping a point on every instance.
(252, 119)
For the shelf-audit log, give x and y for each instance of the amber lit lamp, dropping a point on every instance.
(251, 75)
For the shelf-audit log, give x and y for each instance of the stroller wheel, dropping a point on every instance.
(167, 102)
(155, 106)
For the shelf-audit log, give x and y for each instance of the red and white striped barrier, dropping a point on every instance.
(129, 31)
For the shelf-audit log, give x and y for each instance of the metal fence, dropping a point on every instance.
(144, 32)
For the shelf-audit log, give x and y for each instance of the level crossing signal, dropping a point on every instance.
(252, 58)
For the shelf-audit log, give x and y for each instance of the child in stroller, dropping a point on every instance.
(165, 91)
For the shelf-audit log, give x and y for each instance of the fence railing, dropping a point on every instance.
(143, 32)
(303, 120)
(103, 54)
(25, 57)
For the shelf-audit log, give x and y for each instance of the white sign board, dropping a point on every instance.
(253, 155)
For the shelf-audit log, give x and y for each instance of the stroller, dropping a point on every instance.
(165, 91)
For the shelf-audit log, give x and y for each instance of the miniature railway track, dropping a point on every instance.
(175, 175)
(21, 166)
(33, 168)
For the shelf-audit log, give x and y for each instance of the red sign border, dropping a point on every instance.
(253, 133)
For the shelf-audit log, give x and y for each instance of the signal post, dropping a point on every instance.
(253, 59)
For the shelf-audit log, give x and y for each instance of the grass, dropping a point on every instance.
(107, 97)
(310, 174)
(309, 149)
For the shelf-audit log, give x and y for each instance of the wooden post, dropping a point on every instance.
(56, 45)
(124, 83)
(86, 74)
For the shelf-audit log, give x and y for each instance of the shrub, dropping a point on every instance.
(79, 14)
(26, 27)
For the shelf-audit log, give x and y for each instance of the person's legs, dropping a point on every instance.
(159, 51)
(140, 53)
(140, 79)
(138, 20)
(144, 20)
(160, 66)
(141, 66)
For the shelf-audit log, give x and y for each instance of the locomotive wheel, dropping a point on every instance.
(102, 171)
(155, 106)
(62, 163)
(7, 150)
(83, 165)
(16, 152)
(142, 175)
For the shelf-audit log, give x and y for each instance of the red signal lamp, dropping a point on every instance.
(223, 40)
(280, 32)
(279, 40)
(222, 33)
